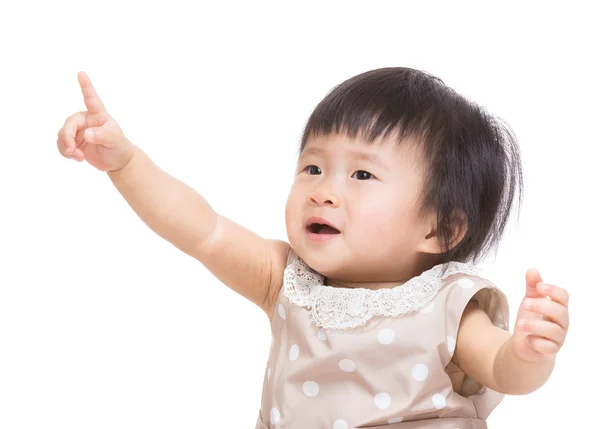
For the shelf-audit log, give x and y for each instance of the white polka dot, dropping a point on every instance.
(294, 352)
(269, 374)
(420, 372)
(340, 424)
(347, 365)
(281, 311)
(439, 401)
(275, 416)
(310, 388)
(466, 283)
(386, 336)
(427, 308)
(451, 343)
(395, 420)
(322, 335)
(382, 400)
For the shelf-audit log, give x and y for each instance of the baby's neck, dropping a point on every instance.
(356, 285)
(398, 280)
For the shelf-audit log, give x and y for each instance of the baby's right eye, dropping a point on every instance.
(313, 170)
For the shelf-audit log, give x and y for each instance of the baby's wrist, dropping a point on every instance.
(517, 375)
(134, 152)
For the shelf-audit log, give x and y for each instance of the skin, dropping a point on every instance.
(370, 194)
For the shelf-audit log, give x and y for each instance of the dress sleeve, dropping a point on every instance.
(462, 289)
(459, 290)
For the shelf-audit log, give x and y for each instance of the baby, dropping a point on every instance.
(379, 316)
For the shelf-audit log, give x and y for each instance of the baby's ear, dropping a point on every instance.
(432, 243)
(460, 224)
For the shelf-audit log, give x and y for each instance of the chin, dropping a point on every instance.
(325, 263)
(325, 258)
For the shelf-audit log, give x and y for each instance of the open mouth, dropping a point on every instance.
(320, 228)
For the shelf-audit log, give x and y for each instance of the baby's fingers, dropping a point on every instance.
(544, 347)
(543, 328)
(556, 293)
(551, 310)
(66, 143)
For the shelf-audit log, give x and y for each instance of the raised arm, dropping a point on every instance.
(250, 265)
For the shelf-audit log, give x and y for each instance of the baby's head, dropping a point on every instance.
(407, 173)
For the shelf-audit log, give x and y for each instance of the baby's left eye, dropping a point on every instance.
(362, 175)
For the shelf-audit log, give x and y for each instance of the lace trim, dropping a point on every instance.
(342, 308)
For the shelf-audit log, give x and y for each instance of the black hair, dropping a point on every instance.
(472, 157)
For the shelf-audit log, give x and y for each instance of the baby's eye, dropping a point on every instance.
(313, 170)
(362, 175)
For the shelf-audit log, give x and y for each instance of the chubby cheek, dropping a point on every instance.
(292, 219)
(379, 229)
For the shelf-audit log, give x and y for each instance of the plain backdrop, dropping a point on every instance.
(105, 325)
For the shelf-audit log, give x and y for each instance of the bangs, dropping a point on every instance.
(381, 104)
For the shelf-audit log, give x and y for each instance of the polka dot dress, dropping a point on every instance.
(388, 370)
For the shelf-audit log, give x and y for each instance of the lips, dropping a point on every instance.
(318, 225)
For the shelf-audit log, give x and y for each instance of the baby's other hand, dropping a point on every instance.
(93, 135)
(542, 320)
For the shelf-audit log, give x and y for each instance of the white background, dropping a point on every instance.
(105, 325)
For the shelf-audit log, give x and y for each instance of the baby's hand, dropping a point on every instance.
(542, 321)
(94, 135)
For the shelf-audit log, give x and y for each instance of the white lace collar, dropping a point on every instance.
(343, 308)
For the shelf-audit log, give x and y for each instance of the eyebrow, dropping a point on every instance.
(363, 156)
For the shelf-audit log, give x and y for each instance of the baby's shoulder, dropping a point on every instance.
(472, 286)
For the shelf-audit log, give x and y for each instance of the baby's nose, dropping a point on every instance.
(323, 196)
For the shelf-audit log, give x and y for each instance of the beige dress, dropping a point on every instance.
(357, 358)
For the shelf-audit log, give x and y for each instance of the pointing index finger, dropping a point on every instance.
(90, 97)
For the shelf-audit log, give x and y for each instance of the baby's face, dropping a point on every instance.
(367, 195)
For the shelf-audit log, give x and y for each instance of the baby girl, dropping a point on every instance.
(379, 315)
